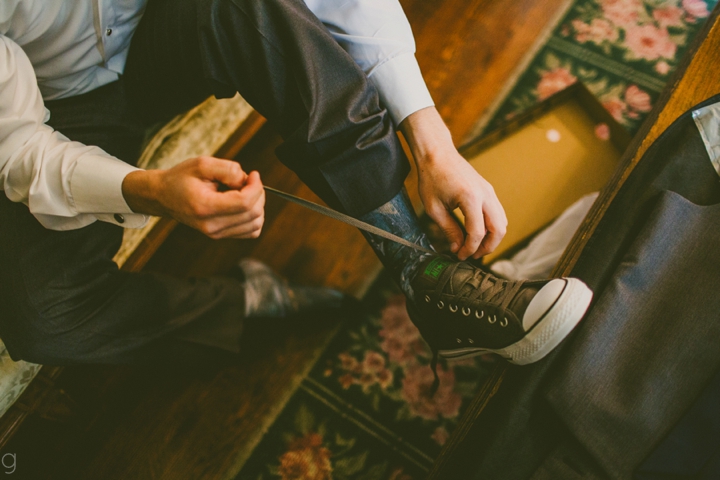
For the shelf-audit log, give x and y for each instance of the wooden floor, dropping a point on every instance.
(140, 424)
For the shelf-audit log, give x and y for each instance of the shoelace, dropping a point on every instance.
(489, 289)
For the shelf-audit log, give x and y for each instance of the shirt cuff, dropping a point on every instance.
(401, 86)
(96, 187)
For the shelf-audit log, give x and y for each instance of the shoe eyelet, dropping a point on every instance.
(458, 340)
(440, 304)
(492, 319)
(427, 298)
(466, 311)
(479, 315)
(504, 322)
(453, 308)
(470, 340)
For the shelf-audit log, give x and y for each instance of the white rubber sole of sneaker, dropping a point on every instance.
(547, 334)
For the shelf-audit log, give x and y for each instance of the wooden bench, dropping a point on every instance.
(219, 127)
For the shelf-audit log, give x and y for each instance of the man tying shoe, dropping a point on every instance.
(334, 78)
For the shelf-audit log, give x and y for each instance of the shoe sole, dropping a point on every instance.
(557, 323)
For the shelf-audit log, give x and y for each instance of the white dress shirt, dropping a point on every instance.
(60, 48)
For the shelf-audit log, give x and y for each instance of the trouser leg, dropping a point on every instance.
(284, 62)
(63, 299)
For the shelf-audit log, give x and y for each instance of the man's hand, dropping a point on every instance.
(211, 195)
(447, 181)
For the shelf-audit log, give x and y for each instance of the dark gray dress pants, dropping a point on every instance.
(63, 299)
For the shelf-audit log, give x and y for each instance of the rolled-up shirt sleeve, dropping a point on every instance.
(377, 34)
(65, 184)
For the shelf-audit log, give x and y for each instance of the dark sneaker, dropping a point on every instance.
(464, 311)
(269, 295)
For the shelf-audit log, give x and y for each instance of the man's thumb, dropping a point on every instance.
(449, 225)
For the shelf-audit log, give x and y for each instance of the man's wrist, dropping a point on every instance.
(139, 188)
(427, 135)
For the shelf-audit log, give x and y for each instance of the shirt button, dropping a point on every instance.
(108, 32)
(119, 218)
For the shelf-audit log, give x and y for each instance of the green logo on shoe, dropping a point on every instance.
(435, 268)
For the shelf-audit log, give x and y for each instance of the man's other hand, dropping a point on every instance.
(211, 195)
(447, 181)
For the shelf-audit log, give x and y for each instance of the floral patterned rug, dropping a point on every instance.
(365, 411)
(624, 51)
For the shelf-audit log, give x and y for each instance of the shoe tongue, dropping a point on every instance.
(429, 271)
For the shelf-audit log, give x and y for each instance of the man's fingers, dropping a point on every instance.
(248, 229)
(496, 225)
(236, 213)
(245, 231)
(253, 190)
(449, 226)
(488, 245)
(218, 224)
(250, 197)
(227, 172)
(475, 226)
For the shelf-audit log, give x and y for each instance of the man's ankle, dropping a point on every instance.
(398, 217)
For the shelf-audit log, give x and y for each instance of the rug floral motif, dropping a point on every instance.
(365, 411)
(624, 51)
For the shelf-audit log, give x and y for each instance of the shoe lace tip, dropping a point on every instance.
(436, 382)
